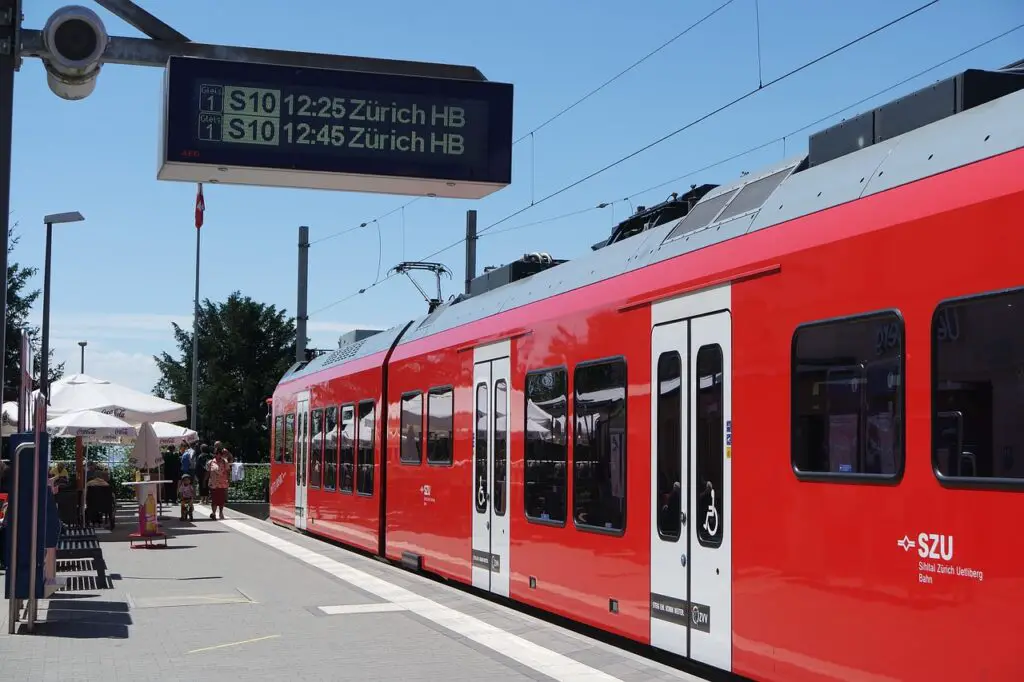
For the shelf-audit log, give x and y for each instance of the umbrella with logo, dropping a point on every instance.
(83, 392)
(89, 425)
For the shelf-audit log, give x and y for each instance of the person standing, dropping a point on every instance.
(188, 454)
(202, 474)
(220, 479)
(172, 470)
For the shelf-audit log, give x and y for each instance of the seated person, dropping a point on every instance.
(59, 476)
(97, 475)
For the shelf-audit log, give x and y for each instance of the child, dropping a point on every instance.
(186, 493)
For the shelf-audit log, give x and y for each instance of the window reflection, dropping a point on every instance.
(546, 452)
(978, 384)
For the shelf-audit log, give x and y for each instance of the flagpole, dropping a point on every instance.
(200, 208)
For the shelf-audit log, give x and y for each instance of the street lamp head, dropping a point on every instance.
(83, 344)
(57, 218)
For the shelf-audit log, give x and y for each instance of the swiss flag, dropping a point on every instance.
(200, 206)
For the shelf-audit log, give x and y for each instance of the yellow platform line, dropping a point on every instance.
(221, 646)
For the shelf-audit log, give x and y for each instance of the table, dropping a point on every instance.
(149, 524)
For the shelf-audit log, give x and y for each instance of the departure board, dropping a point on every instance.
(287, 126)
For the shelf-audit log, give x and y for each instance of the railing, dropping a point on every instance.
(254, 486)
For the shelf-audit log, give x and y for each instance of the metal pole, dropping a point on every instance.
(40, 429)
(470, 248)
(8, 65)
(44, 353)
(25, 383)
(195, 344)
(82, 344)
(14, 605)
(303, 292)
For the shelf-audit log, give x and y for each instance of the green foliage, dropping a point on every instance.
(244, 349)
(254, 486)
(19, 306)
(62, 449)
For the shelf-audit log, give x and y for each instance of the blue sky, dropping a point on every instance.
(121, 277)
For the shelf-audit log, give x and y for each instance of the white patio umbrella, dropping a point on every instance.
(83, 392)
(172, 434)
(146, 453)
(88, 425)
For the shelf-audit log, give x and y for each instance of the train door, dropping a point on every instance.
(491, 389)
(691, 435)
(301, 459)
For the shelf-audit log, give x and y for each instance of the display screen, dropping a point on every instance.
(278, 117)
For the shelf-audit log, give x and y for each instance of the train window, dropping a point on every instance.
(670, 445)
(289, 437)
(367, 430)
(847, 393)
(500, 444)
(412, 428)
(440, 408)
(347, 451)
(316, 450)
(978, 389)
(480, 449)
(545, 455)
(599, 445)
(279, 439)
(710, 429)
(330, 448)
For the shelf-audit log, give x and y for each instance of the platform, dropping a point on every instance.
(243, 599)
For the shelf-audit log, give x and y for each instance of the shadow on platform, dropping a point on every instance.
(72, 617)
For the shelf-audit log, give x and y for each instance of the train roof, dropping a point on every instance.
(361, 346)
(958, 121)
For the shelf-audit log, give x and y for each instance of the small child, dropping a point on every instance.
(186, 493)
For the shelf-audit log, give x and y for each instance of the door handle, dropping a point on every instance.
(682, 518)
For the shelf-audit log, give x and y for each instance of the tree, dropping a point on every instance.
(19, 307)
(244, 349)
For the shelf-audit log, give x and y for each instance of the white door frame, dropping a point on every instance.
(691, 579)
(301, 459)
(670, 556)
(489, 503)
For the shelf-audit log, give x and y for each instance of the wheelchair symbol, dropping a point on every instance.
(481, 494)
(711, 516)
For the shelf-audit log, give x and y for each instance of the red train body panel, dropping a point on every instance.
(345, 516)
(849, 538)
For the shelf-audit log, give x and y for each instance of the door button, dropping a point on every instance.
(682, 559)
(682, 518)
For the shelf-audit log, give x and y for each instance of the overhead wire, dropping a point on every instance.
(689, 125)
(783, 138)
(714, 112)
(702, 118)
(768, 143)
(626, 70)
(341, 233)
(551, 119)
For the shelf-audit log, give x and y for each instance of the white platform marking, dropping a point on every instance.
(345, 609)
(542, 660)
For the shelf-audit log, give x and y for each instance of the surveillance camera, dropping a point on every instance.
(75, 39)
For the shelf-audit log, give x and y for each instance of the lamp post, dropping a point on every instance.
(44, 357)
(83, 344)
(43, 400)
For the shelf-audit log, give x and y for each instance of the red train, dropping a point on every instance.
(772, 426)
